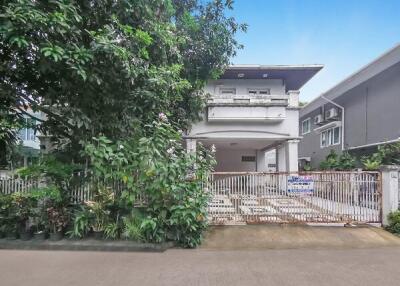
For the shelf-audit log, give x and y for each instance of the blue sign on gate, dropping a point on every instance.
(300, 185)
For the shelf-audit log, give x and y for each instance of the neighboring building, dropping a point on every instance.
(252, 117)
(358, 114)
(28, 148)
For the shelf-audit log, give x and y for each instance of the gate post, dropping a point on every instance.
(390, 191)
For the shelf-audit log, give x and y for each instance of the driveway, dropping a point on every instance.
(209, 265)
(290, 236)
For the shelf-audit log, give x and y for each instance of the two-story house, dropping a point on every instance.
(356, 115)
(252, 117)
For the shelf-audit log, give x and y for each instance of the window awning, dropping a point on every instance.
(328, 125)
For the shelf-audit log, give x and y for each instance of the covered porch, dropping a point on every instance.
(251, 154)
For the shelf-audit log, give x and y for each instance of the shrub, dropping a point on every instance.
(343, 162)
(57, 218)
(388, 154)
(80, 223)
(132, 228)
(394, 222)
(24, 208)
(8, 218)
(112, 230)
(156, 165)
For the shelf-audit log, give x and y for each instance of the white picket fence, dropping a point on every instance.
(81, 189)
(13, 185)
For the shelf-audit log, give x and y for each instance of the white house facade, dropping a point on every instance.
(252, 118)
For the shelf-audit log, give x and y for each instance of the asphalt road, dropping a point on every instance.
(367, 266)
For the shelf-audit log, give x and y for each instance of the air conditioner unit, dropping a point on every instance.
(331, 113)
(318, 119)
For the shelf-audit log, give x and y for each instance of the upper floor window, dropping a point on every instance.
(306, 126)
(28, 132)
(330, 137)
(226, 90)
(260, 91)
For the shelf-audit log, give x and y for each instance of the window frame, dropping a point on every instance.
(309, 126)
(327, 137)
(225, 90)
(27, 133)
(257, 91)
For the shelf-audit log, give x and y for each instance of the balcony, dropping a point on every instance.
(248, 100)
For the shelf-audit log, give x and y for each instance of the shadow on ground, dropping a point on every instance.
(296, 237)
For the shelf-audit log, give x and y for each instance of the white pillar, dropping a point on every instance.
(191, 145)
(390, 191)
(261, 162)
(287, 156)
(292, 156)
(293, 98)
(280, 158)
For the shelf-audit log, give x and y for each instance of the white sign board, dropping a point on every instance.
(300, 185)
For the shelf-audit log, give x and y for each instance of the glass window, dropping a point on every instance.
(225, 90)
(28, 132)
(306, 126)
(323, 139)
(330, 137)
(261, 91)
(22, 134)
(265, 91)
(336, 135)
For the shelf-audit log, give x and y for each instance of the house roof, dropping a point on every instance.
(370, 70)
(295, 76)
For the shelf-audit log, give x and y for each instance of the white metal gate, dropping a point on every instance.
(273, 197)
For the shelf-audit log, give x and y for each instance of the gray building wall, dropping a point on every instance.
(372, 115)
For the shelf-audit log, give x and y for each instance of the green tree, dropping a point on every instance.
(95, 67)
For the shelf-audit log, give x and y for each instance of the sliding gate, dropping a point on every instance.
(294, 198)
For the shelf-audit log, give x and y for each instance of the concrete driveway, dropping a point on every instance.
(270, 236)
(209, 265)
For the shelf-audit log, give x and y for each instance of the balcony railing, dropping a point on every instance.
(252, 100)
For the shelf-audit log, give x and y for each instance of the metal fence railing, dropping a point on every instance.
(255, 197)
(298, 197)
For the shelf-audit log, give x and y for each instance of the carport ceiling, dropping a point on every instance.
(239, 144)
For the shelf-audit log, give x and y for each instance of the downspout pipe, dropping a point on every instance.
(342, 108)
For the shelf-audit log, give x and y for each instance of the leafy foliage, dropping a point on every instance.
(341, 163)
(94, 67)
(157, 166)
(388, 154)
(8, 218)
(394, 222)
(133, 228)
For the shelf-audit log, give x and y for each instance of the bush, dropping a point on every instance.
(8, 218)
(133, 228)
(388, 154)
(344, 162)
(156, 165)
(23, 208)
(394, 222)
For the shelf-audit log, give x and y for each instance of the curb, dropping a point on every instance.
(85, 245)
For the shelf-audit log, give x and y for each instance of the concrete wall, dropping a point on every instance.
(276, 86)
(287, 128)
(230, 160)
(372, 115)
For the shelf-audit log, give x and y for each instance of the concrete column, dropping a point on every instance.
(191, 145)
(292, 156)
(281, 158)
(293, 98)
(390, 191)
(261, 162)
